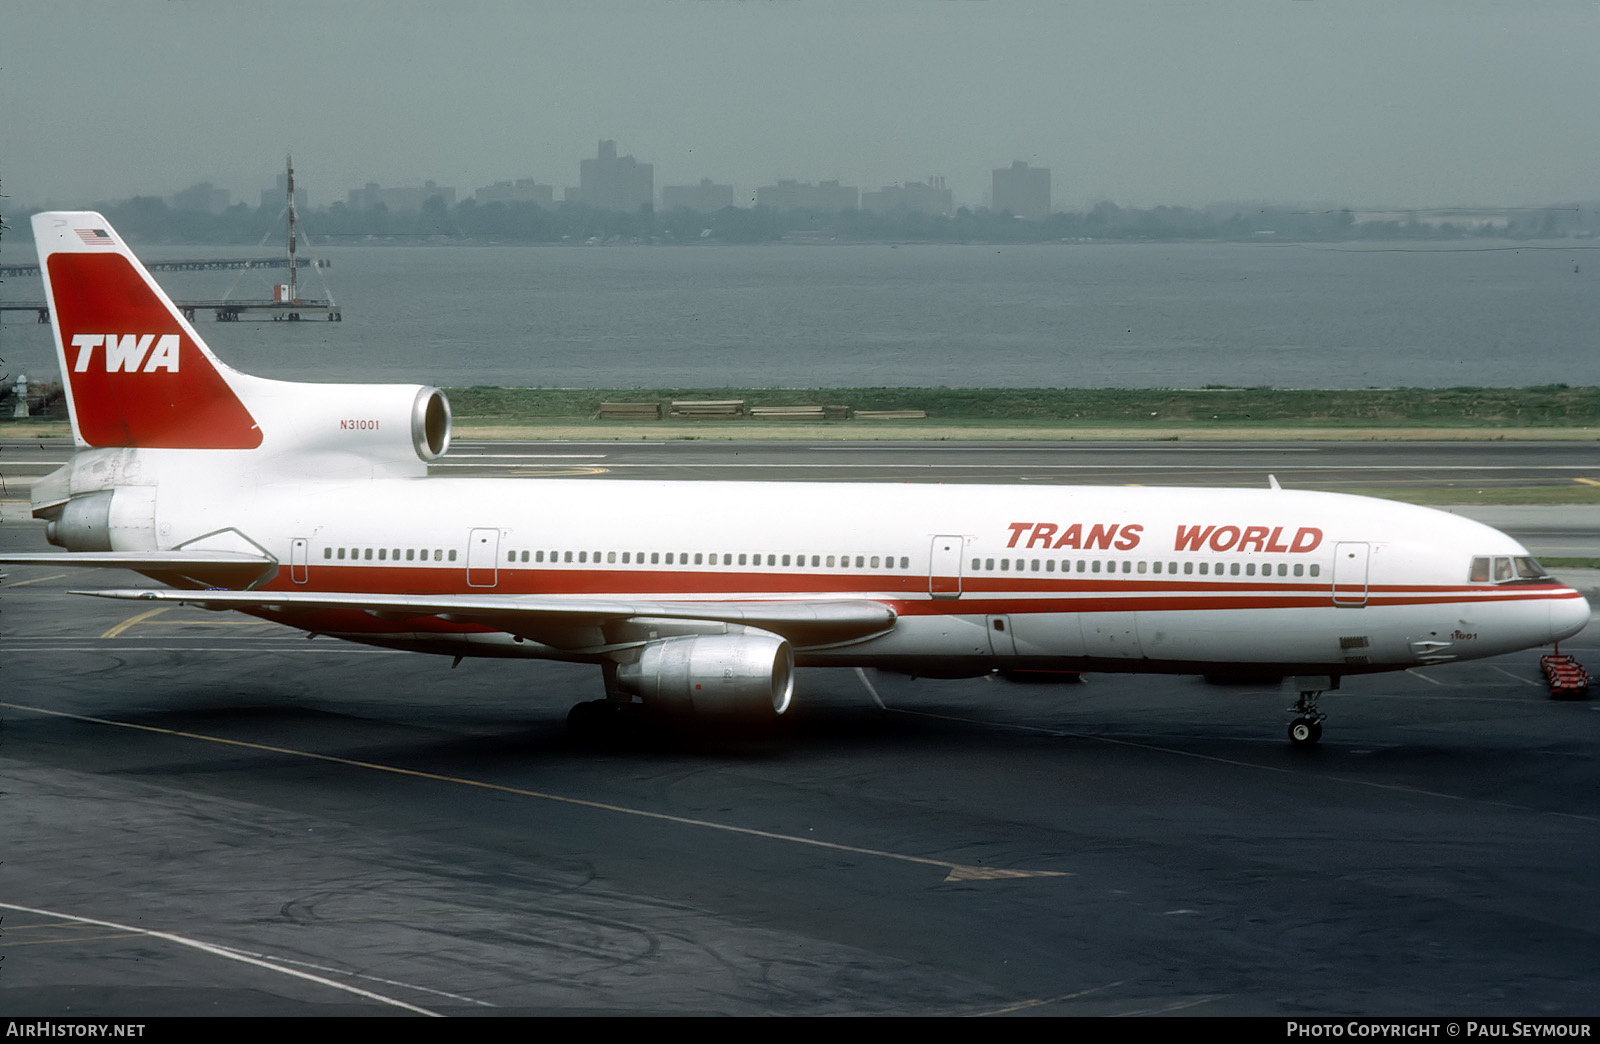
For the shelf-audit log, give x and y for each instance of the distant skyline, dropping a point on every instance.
(1361, 103)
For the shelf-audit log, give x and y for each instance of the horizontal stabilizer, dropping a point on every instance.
(140, 560)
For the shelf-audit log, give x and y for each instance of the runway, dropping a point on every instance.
(207, 814)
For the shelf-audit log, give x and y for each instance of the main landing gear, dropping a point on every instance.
(603, 720)
(1306, 729)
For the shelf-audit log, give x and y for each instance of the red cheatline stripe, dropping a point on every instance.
(410, 579)
(908, 595)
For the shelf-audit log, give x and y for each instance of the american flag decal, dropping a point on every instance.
(94, 236)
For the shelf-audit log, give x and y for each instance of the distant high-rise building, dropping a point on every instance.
(612, 182)
(276, 196)
(204, 197)
(704, 198)
(399, 200)
(829, 197)
(523, 190)
(916, 197)
(1022, 190)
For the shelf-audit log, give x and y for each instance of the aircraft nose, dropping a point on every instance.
(1568, 616)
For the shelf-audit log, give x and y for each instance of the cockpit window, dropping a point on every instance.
(1506, 569)
(1529, 569)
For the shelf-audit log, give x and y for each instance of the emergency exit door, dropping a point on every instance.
(483, 558)
(944, 570)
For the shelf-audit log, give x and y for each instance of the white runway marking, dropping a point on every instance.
(225, 952)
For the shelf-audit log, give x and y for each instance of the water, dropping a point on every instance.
(1093, 315)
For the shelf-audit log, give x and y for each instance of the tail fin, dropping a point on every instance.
(135, 371)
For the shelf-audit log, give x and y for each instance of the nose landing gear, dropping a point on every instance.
(1306, 729)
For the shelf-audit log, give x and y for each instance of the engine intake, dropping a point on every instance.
(430, 423)
(713, 674)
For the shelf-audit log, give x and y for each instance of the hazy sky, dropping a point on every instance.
(1366, 102)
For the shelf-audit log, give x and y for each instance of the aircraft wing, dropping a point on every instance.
(567, 623)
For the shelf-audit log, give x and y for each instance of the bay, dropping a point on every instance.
(817, 315)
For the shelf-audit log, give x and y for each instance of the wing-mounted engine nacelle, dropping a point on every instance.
(713, 674)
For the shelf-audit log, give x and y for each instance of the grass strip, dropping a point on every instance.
(1553, 406)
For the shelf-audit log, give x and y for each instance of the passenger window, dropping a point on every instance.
(327, 552)
(452, 554)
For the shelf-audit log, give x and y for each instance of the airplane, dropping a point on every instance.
(311, 505)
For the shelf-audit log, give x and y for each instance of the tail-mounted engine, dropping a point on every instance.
(382, 423)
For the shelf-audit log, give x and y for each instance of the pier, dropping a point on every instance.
(286, 304)
(226, 311)
(192, 264)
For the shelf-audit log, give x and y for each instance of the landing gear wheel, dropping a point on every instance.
(1305, 732)
(1306, 728)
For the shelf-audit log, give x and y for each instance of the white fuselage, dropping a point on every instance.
(1136, 579)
